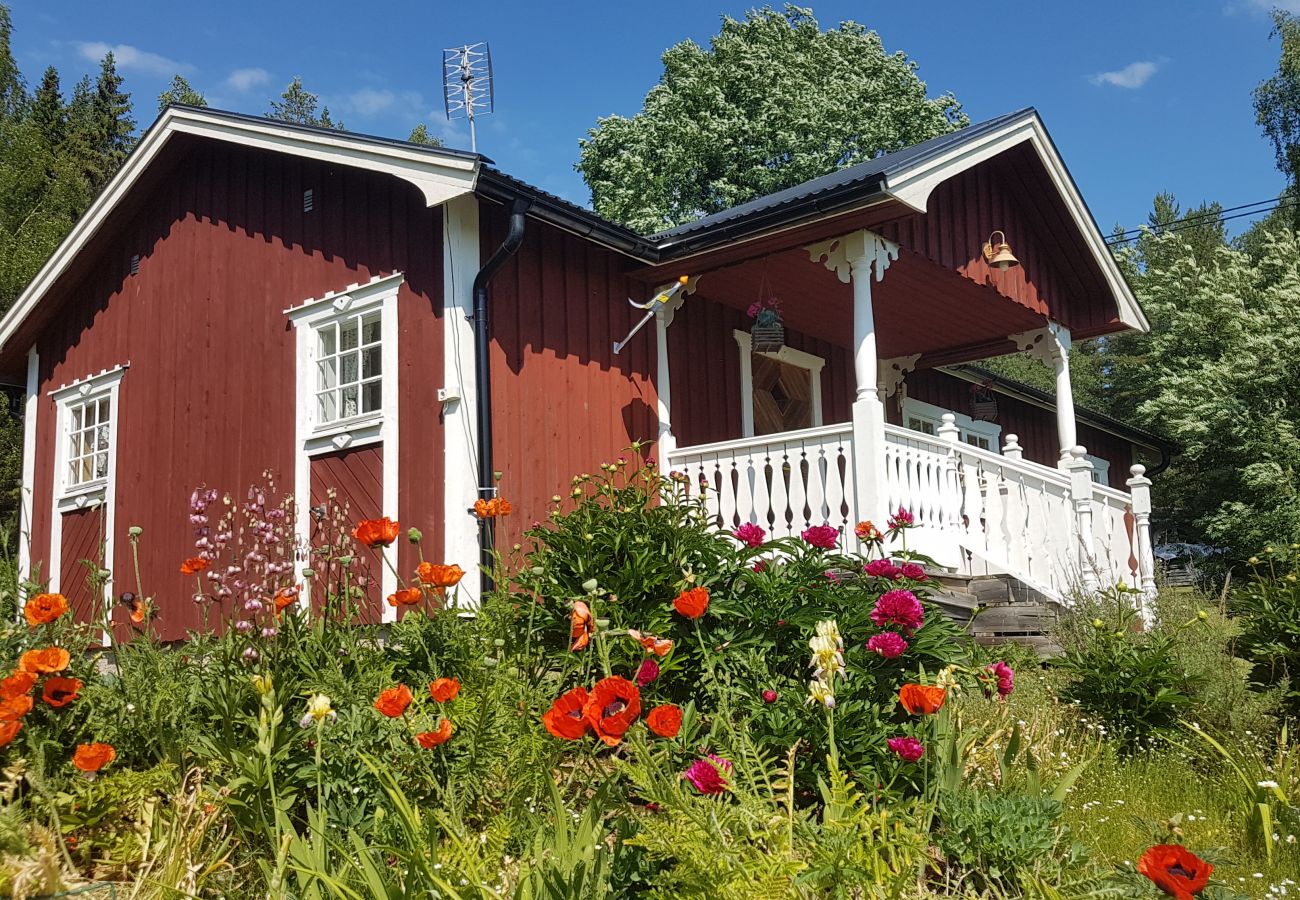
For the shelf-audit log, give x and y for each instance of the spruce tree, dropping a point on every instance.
(112, 118)
(13, 95)
(297, 104)
(47, 112)
(180, 92)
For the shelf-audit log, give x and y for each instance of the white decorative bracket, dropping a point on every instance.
(893, 371)
(665, 311)
(847, 254)
(1047, 344)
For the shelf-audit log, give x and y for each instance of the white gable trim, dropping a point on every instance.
(914, 185)
(439, 178)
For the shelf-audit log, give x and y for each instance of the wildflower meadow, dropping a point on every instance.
(646, 705)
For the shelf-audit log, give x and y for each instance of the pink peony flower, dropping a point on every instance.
(706, 774)
(901, 519)
(823, 537)
(900, 608)
(769, 696)
(647, 673)
(913, 571)
(750, 535)
(883, 568)
(906, 748)
(760, 566)
(888, 644)
(1005, 675)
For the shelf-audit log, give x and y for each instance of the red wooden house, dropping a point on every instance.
(395, 323)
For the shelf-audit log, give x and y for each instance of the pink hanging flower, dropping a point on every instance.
(1006, 677)
(647, 673)
(901, 519)
(888, 644)
(707, 774)
(750, 535)
(913, 571)
(823, 537)
(908, 749)
(900, 608)
(883, 568)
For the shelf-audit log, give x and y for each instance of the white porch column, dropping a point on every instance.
(1051, 345)
(1079, 468)
(1139, 488)
(855, 258)
(666, 441)
(31, 404)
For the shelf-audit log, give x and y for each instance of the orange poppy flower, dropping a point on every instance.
(920, 699)
(137, 607)
(285, 598)
(581, 625)
(692, 603)
(611, 709)
(565, 718)
(376, 532)
(9, 731)
(15, 709)
(444, 690)
(44, 608)
(59, 691)
(405, 597)
(93, 757)
(657, 646)
(18, 684)
(194, 565)
(665, 720)
(393, 701)
(44, 660)
(1175, 870)
(430, 739)
(491, 509)
(439, 576)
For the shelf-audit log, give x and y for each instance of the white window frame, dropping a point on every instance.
(990, 431)
(1100, 469)
(95, 388)
(791, 357)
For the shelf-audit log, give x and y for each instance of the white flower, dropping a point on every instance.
(319, 708)
(1267, 785)
(821, 692)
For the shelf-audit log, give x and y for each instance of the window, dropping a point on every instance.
(922, 424)
(349, 368)
(927, 418)
(87, 428)
(1100, 469)
(779, 391)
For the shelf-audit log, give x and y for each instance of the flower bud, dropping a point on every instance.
(414, 536)
(590, 585)
(769, 696)
(135, 531)
(308, 573)
(1202, 615)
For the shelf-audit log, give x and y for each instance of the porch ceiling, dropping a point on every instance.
(920, 306)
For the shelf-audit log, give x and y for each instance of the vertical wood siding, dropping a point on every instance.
(357, 480)
(562, 401)
(209, 398)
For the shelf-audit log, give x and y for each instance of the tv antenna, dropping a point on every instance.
(467, 84)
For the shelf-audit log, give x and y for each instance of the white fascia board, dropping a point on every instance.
(914, 185)
(439, 179)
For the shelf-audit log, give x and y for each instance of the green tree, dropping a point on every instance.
(1277, 100)
(112, 122)
(772, 102)
(180, 92)
(297, 104)
(13, 94)
(420, 135)
(48, 113)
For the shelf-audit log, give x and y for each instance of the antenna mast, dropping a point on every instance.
(467, 84)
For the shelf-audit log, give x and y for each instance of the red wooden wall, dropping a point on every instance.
(562, 401)
(209, 397)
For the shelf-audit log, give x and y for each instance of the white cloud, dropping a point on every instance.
(1264, 6)
(367, 102)
(128, 57)
(1134, 75)
(244, 80)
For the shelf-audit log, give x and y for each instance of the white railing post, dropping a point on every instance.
(1012, 449)
(1139, 489)
(857, 259)
(1079, 468)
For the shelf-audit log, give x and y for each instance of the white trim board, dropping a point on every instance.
(789, 356)
(438, 177)
(27, 495)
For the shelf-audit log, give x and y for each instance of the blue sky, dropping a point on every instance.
(1140, 97)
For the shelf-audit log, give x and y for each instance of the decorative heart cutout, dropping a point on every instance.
(84, 389)
(342, 440)
(342, 302)
(80, 502)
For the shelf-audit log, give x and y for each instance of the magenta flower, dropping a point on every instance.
(1005, 676)
(706, 774)
(750, 535)
(899, 608)
(914, 572)
(888, 644)
(883, 568)
(901, 519)
(908, 749)
(769, 696)
(760, 566)
(647, 673)
(823, 537)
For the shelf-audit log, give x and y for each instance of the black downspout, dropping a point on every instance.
(483, 380)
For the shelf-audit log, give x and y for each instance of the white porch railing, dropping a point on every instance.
(979, 512)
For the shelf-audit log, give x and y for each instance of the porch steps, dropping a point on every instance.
(997, 609)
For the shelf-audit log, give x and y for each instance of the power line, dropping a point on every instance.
(1206, 218)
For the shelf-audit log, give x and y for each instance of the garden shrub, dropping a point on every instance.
(1268, 608)
(997, 839)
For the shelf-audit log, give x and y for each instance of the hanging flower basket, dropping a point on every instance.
(767, 335)
(983, 404)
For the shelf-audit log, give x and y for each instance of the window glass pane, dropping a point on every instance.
(327, 409)
(371, 396)
(348, 369)
(74, 445)
(101, 465)
(88, 415)
(370, 328)
(76, 418)
(101, 438)
(327, 374)
(86, 473)
(328, 347)
(349, 402)
(348, 335)
(103, 410)
(370, 362)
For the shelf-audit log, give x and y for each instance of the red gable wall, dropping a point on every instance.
(209, 397)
